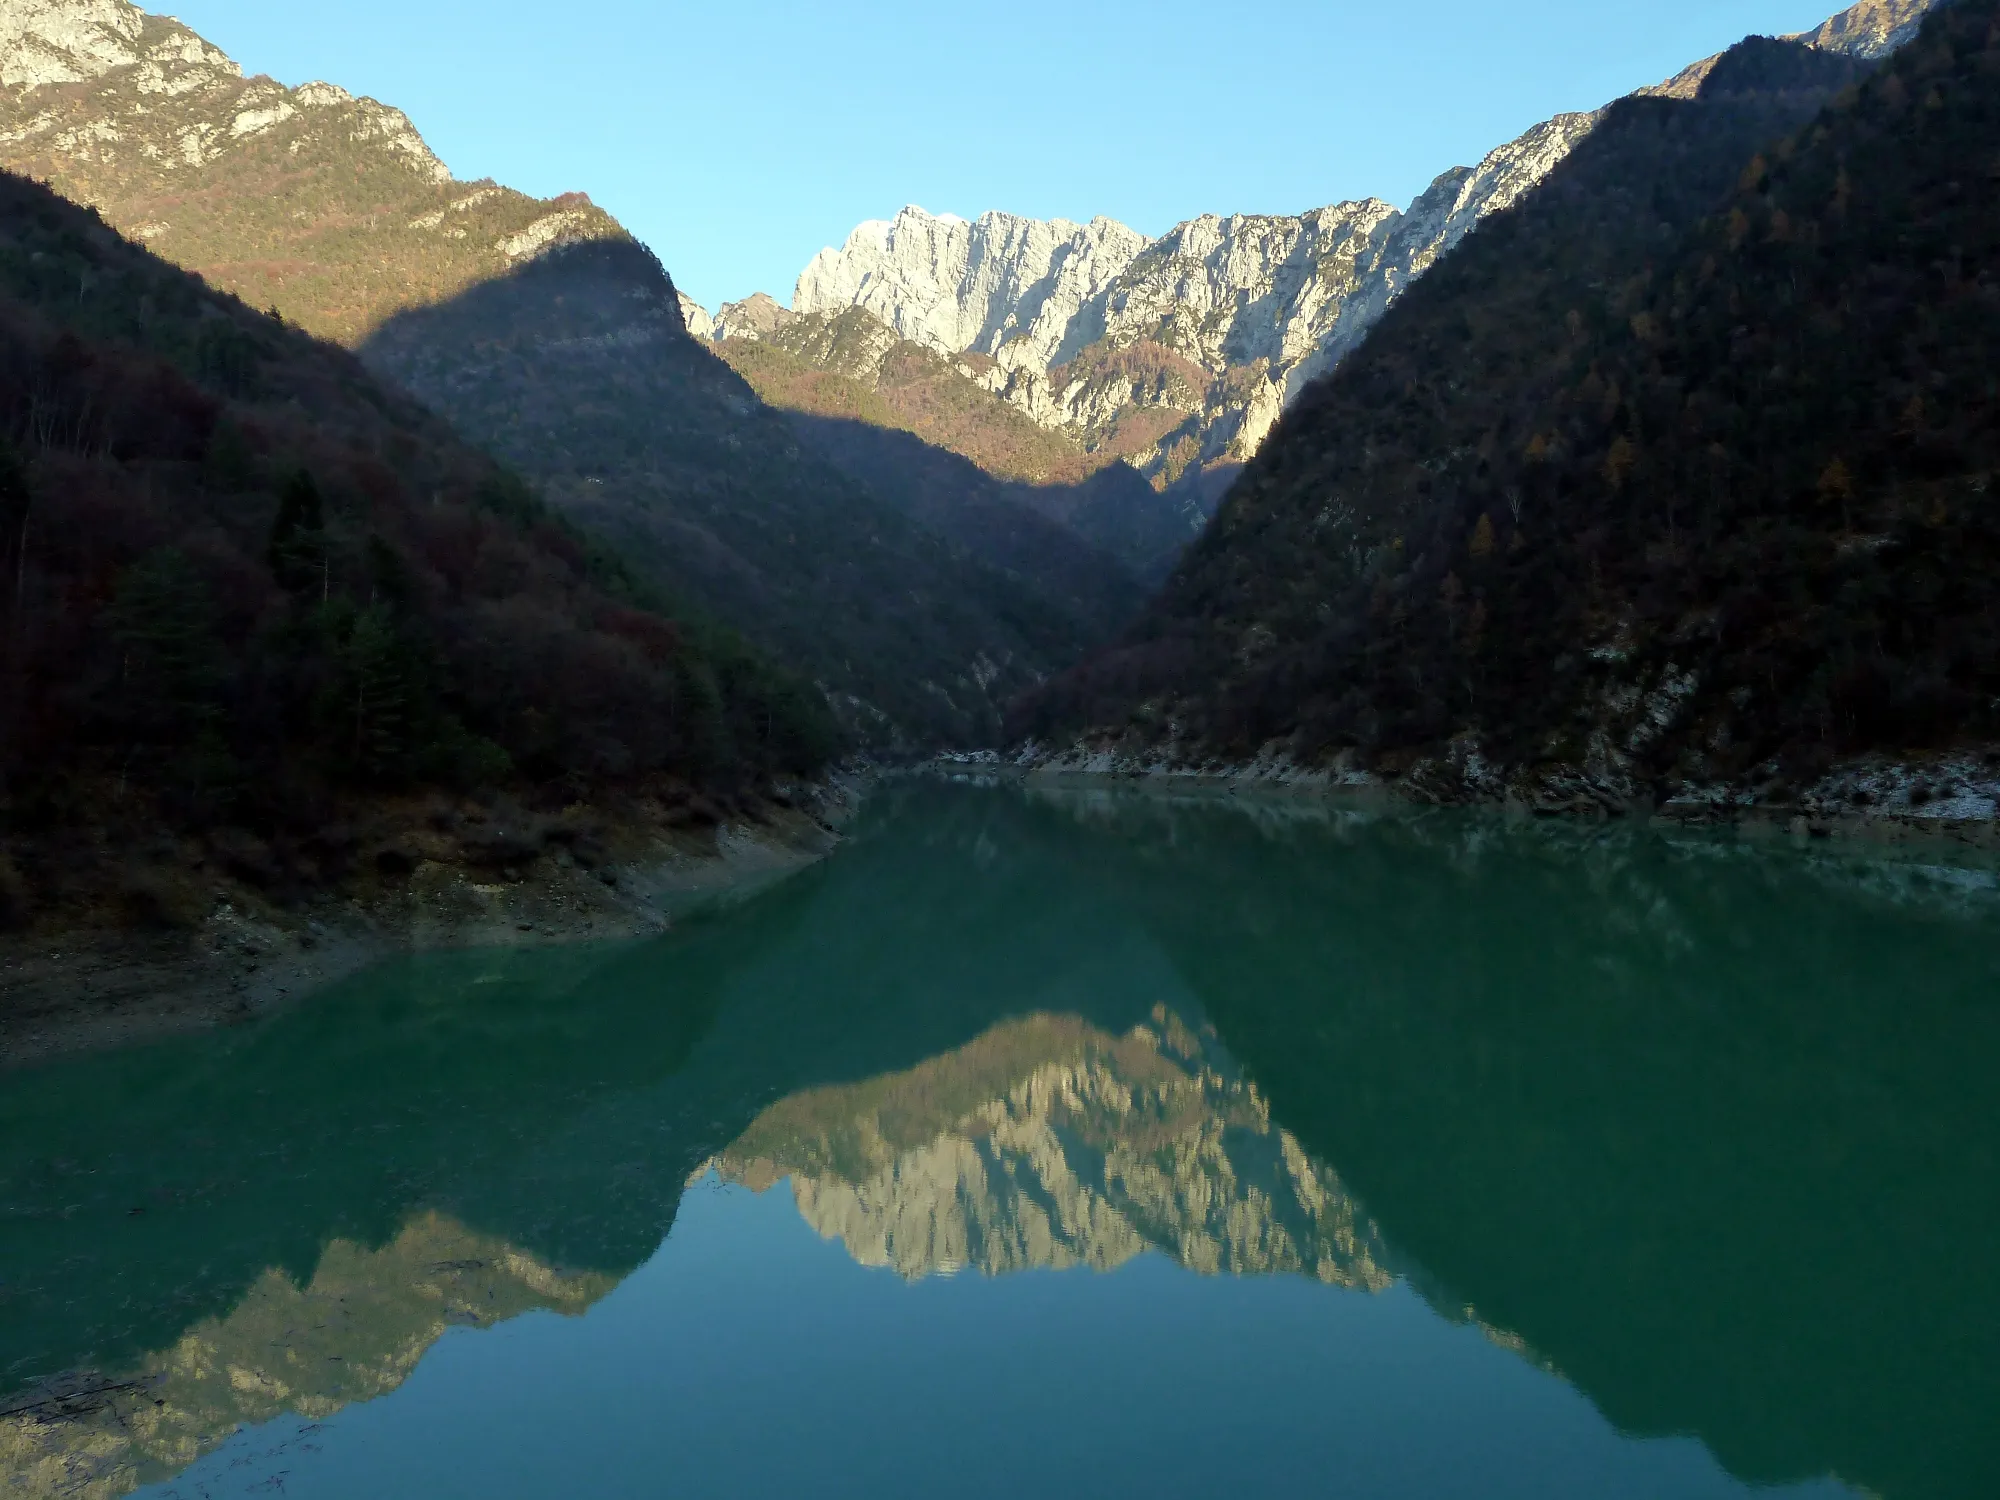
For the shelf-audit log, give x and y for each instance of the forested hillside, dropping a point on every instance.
(577, 368)
(245, 588)
(1677, 473)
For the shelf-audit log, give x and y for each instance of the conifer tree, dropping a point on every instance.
(297, 553)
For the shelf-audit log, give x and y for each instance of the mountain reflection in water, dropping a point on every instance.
(1709, 1130)
(1048, 1144)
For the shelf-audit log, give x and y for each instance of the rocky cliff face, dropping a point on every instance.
(1872, 29)
(1049, 1144)
(961, 286)
(329, 207)
(1180, 354)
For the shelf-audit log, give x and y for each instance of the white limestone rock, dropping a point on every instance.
(551, 229)
(755, 317)
(164, 91)
(65, 41)
(999, 281)
(1099, 1150)
(695, 318)
(1256, 305)
(1874, 28)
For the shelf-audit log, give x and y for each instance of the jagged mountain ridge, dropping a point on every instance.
(331, 209)
(1229, 317)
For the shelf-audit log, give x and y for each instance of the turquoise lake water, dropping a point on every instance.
(1065, 1144)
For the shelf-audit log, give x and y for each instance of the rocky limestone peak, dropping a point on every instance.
(757, 316)
(330, 207)
(1179, 355)
(180, 101)
(695, 318)
(66, 41)
(45, 42)
(1226, 317)
(1874, 28)
(978, 286)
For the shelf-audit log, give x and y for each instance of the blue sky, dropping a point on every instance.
(737, 137)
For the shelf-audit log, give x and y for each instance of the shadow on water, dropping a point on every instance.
(1713, 1130)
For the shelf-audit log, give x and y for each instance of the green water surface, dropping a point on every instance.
(1065, 1144)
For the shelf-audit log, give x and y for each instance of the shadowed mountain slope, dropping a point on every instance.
(1671, 471)
(1096, 594)
(577, 368)
(335, 212)
(247, 592)
(848, 370)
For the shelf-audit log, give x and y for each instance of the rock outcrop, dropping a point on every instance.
(959, 286)
(1872, 29)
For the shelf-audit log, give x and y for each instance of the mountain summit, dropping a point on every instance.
(328, 207)
(1176, 354)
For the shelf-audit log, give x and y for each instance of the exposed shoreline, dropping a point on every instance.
(95, 988)
(1962, 825)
